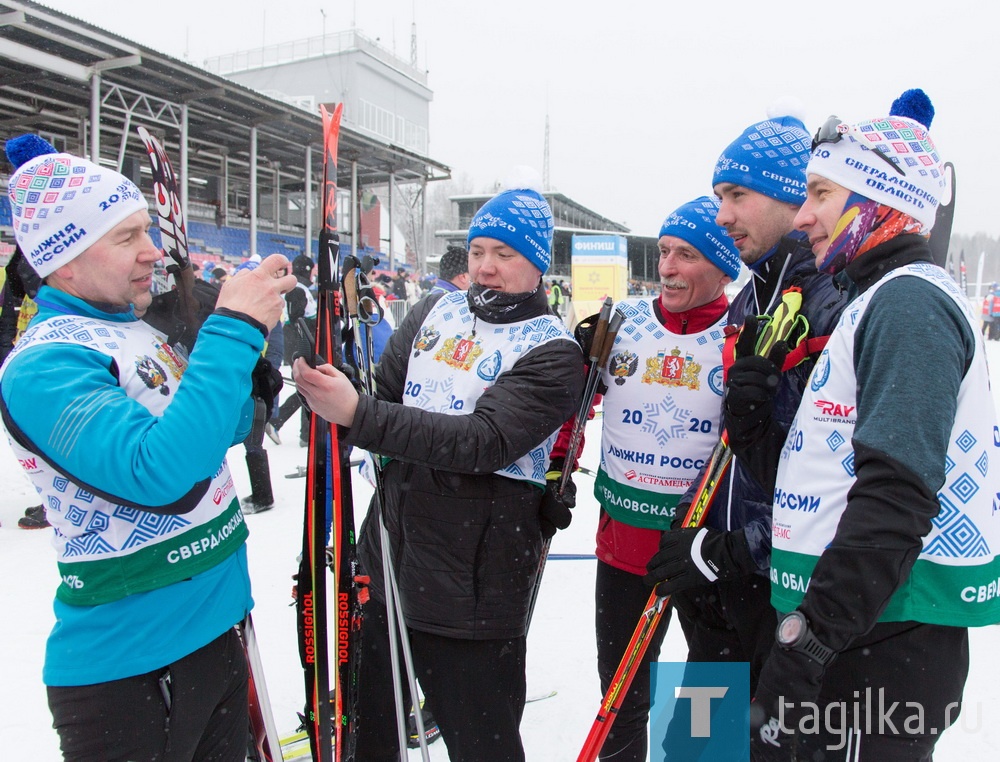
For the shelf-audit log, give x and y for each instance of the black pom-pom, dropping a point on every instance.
(26, 147)
(915, 105)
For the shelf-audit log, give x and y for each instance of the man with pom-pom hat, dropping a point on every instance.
(130, 464)
(472, 389)
(885, 530)
(722, 598)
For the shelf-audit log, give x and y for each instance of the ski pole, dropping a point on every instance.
(604, 337)
(364, 309)
(787, 324)
(655, 607)
(597, 352)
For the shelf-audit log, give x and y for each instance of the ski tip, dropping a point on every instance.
(540, 697)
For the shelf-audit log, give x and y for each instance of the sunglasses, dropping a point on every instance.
(833, 131)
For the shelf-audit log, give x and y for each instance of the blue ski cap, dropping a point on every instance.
(62, 204)
(520, 217)
(769, 157)
(694, 222)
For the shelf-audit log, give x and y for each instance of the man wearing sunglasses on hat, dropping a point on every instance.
(725, 610)
(895, 556)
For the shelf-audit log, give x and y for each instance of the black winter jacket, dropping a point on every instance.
(465, 541)
(745, 504)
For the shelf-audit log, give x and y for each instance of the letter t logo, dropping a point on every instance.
(701, 706)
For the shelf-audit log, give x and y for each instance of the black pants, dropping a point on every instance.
(903, 663)
(193, 709)
(729, 621)
(621, 599)
(477, 689)
(286, 410)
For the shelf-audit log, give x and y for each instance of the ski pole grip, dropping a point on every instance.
(609, 338)
(350, 284)
(600, 331)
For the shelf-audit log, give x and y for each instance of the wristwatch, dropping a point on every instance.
(794, 634)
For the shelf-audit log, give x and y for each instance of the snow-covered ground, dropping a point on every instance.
(561, 650)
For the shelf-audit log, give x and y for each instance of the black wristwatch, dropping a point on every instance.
(794, 634)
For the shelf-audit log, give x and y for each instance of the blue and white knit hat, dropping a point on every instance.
(62, 204)
(520, 217)
(918, 181)
(694, 222)
(769, 157)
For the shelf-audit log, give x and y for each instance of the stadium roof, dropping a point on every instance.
(48, 62)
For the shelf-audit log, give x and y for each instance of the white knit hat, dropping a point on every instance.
(62, 204)
(906, 173)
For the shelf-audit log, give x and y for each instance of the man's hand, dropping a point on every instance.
(258, 293)
(329, 393)
(752, 382)
(786, 692)
(697, 556)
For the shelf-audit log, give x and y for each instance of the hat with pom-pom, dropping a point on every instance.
(694, 222)
(907, 175)
(62, 204)
(520, 217)
(769, 157)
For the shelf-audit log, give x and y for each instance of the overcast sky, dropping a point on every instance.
(642, 95)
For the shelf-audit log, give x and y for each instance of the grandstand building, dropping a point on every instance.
(250, 162)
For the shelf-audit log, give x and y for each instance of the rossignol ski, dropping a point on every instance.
(329, 715)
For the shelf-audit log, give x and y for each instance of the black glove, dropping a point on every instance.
(555, 511)
(584, 333)
(751, 386)
(752, 381)
(788, 679)
(697, 556)
(266, 383)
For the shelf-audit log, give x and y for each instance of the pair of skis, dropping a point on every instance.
(330, 728)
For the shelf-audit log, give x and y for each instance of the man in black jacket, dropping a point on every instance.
(760, 182)
(472, 390)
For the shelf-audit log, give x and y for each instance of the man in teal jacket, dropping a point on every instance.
(125, 440)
